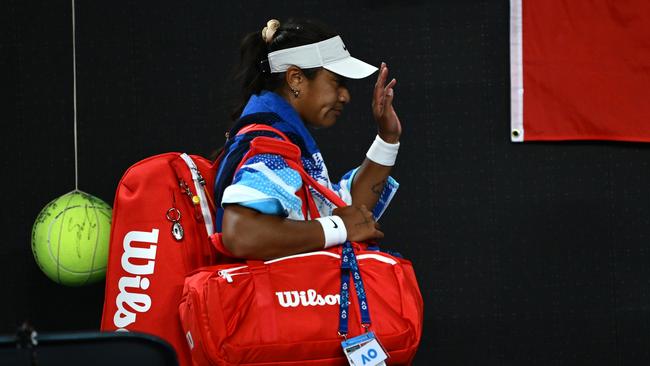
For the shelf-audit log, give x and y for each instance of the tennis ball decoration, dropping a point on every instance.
(70, 239)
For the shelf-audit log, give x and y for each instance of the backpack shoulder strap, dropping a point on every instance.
(262, 127)
(290, 152)
(270, 145)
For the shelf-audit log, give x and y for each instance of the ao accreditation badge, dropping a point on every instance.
(364, 350)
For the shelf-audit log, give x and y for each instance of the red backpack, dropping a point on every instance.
(162, 218)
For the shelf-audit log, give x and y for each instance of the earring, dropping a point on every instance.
(296, 92)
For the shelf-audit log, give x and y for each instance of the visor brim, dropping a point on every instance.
(351, 67)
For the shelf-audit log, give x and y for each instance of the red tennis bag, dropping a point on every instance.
(162, 218)
(286, 311)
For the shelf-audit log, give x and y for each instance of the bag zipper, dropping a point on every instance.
(227, 273)
(199, 182)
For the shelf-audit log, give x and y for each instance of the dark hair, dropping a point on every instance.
(253, 50)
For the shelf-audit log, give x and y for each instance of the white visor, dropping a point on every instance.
(330, 54)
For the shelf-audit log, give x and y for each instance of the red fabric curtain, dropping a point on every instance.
(580, 70)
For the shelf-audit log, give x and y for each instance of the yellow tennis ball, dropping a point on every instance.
(70, 239)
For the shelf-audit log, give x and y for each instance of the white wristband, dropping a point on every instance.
(334, 230)
(381, 152)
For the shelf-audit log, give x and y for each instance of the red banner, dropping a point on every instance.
(580, 70)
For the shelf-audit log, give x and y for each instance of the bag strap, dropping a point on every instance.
(309, 180)
(291, 155)
(290, 152)
(262, 127)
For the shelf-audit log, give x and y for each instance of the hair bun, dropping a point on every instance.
(268, 31)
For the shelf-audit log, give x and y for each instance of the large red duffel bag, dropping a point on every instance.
(285, 311)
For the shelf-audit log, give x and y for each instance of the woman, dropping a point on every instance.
(293, 75)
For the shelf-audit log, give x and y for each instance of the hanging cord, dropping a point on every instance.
(74, 99)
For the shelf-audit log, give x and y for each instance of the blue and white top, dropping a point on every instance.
(265, 182)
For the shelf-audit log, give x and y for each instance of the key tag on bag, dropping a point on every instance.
(174, 215)
(363, 350)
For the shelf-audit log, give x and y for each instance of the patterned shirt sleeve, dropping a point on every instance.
(266, 183)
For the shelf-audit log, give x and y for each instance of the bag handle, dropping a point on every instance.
(326, 192)
(290, 152)
(262, 127)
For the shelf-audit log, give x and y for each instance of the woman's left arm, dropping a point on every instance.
(370, 179)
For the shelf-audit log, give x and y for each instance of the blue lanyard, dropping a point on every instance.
(349, 265)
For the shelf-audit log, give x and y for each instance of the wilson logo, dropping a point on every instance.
(292, 299)
(138, 261)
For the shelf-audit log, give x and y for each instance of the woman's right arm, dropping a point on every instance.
(253, 235)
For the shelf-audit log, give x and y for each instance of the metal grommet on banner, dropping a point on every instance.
(516, 133)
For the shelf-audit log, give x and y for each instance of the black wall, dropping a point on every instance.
(527, 254)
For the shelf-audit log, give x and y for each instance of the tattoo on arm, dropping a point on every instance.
(378, 187)
(365, 220)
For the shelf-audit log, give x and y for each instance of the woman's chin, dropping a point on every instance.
(329, 123)
(324, 123)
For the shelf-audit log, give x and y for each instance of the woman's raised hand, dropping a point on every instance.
(389, 127)
(359, 223)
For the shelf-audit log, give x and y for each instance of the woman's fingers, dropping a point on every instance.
(381, 77)
(383, 93)
(380, 91)
(388, 123)
(390, 93)
(390, 85)
(359, 222)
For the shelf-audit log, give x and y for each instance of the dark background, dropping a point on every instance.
(527, 254)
